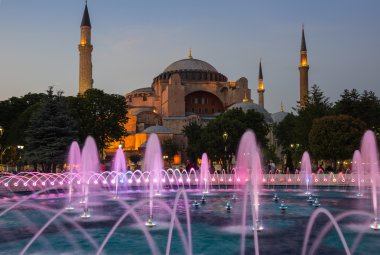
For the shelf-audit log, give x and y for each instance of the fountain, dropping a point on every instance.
(228, 206)
(203, 199)
(153, 163)
(316, 203)
(370, 162)
(31, 221)
(310, 199)
(205, 174)
(74, 166)
(249, 170)
(283, 206)
(90, 164)
(196, 204)
(306, 171)
(119, 166)
(357, 169)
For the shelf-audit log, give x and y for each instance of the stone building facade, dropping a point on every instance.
(185, 91)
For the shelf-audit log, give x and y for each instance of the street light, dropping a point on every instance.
(225, 137)
(1, 131)
(20, 147)
(294, 152)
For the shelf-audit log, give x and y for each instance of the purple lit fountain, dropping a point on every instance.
(90, 165)
(357, 169)
(153, 163)
(306, 171)
(119, 166)
(205, 174)
(370, 161)
(249, 171)
(74, 166)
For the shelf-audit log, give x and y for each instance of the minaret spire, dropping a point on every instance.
(304, 70)
(260, 87)
(303, 41)
(190, 54)
(85, 53)
(86, 17)
(282, 107)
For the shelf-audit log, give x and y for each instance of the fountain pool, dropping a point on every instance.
(214, 230)
(157, 211)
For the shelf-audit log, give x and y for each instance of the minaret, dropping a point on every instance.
(85, 51)
(304, 70)
(260, 87)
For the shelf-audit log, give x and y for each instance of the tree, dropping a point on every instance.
(316, 106)
(286, 138)
(170, 148)
(335, 137)
(284, 131)
(100, 115)
(14, 118)
(193, 132)
(365, 106)
(234, 123)
(50, 132)
(135, 159)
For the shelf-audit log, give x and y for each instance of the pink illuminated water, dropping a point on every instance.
(249, 171)
(153, 163)
(370, 162)
(119, 166)
(205, 174)
(74, 166)
(306, 171)
(90, 165)
(357, 169)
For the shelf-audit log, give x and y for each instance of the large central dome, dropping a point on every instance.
(191, 69)
(190, 64)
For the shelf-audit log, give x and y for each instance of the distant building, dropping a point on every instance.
(186, 90)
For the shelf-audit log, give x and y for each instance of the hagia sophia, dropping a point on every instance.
(187, 90)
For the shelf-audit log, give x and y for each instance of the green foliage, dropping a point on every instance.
(193, 132)
(135, 158)
(50, 132)
(14, 118)
(170, 148)
(335, 137)
(20, 125)
(210, 138)
(100, 115)
(284, 131)
(365, 106)
(317, 105)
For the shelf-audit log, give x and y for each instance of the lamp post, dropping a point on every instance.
(225, 137)
(166, 159)
(294, 148)
(20, 147)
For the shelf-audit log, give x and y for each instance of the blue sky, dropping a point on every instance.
(135, 40)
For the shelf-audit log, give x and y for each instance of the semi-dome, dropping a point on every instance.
(157, 129)
(245, 106)
(190, 64)
(279, 116)
(146, 89)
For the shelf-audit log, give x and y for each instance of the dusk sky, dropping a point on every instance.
(135, 40)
